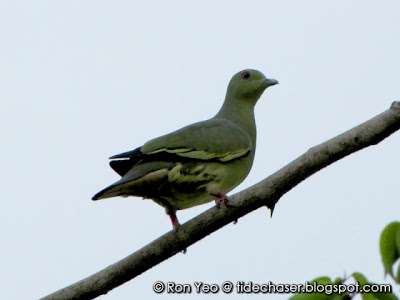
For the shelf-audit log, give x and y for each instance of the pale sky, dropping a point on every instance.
(83, 80)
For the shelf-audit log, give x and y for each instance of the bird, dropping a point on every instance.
(200, 162)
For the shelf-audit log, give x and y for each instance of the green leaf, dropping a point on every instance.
(338, 280)
(398, 240)
(397, 279)
(398, 275)
(382, 296)
(387, 296)
(340, 297)
(389, 244)
(362, 280)
(322, 280)
(365, 296)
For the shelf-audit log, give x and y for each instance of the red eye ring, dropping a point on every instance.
(246, 75)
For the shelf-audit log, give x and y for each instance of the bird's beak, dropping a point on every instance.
(269, 82)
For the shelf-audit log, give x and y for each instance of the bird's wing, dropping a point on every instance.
(211, 140)
(215, 139)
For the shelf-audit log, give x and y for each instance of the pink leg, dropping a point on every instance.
(221, 197)
(175, 223)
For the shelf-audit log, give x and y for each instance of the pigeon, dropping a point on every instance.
(197, 163)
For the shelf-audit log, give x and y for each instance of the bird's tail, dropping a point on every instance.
(108, 192)
(119, 188)
(139, 181)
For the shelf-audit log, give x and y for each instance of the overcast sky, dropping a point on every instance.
(83, 80)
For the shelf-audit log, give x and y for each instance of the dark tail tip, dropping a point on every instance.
(97, 196)
(105, 193)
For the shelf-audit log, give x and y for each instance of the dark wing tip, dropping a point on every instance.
(128, 154)
(121, 166)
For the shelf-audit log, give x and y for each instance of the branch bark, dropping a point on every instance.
(265, 193)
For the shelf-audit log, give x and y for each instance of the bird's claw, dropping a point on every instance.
(221, 197)
(227, 202)
(176, 226)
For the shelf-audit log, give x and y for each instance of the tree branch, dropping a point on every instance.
(267, 192)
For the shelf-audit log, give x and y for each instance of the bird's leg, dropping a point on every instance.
(175, 223)
(221, 197)
(174, 220)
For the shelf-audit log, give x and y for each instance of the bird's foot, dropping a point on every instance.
(221, 197)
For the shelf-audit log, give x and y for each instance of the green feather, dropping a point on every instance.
(213, 139)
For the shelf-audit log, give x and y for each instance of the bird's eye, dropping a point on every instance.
(246, 75)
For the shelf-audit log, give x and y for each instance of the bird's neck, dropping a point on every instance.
(240, 113)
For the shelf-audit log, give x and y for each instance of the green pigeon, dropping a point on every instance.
(197, 163)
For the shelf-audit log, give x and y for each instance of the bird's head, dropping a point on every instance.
(249, 85)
